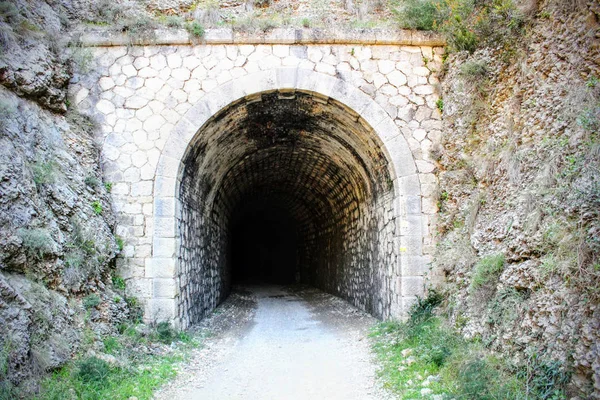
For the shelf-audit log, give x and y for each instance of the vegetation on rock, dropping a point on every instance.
(133, 362)
(518, 178)
(427, 356)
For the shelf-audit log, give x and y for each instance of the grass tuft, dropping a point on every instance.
(93, 371)
(37, 242)
(91, 301)
(44, 172)
(487, 271)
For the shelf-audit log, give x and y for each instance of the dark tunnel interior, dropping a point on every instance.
(264, 244)
(284, 188)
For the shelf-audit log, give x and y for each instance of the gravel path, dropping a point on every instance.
(282, 343)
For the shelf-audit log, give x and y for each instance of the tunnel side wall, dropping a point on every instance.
(202, 276)
(150, 101)
(355, 257)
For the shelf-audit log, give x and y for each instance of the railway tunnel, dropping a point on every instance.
(285, 187)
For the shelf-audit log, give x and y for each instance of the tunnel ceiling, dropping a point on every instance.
(293, 127)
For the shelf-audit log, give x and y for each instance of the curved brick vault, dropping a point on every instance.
(327, 145)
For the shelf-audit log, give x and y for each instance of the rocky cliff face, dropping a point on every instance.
(519, 167)
(56, 241)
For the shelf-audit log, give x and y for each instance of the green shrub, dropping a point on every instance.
(589, 119)
(547, 379)
(433, 348)
(9, 17)
(504, 308)
(91, 301)
(118, 282)
(82, 241)
(487, 271)
(82, 57)
(8, 11)
(142, 27)
(465, 23)
(97, 207)
(440, 105)
(549, 265)
(196, 29)
(91, 181)
(173, 21)
(94, 371)
(422, 310)
(44, 172)
(74, 258)
(111, 345)
(475, 378)
(104, 12)
(37, 242)
(166, 333)
(85, 122)
(108, 186)
(417, 14)
(462, 38)
(136, 313)
(120, 243)
(474, 69)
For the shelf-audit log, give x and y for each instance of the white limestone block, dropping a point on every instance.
(421, 71)
(129, 70)
(246, 49)
(136, 102)
(143, 188)
(379, 80)
(147, 171)
(325, 68)
(399, 101)
(160, 267)
(106, 83)
(105, 107)
(144, 113)
(158, 62)
(386, 66)
(424, 167)
(281, 50)
(174, 60)
(141, 62)
(138, 159)
(423, 89)
(314, 54)
(147, 72)
(397, 78)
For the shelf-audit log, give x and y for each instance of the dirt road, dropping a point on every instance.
(282, 344)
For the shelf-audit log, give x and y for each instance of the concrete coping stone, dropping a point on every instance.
(402, 37)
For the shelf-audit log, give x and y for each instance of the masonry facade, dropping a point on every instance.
(340, 135)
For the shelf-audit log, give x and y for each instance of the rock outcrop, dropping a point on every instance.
(56, 223)
(518, 172)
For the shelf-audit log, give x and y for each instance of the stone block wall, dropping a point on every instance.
(152, 100)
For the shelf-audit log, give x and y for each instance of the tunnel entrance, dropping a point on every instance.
(283, 187)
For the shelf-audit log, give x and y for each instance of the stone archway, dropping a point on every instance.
(390, 199)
